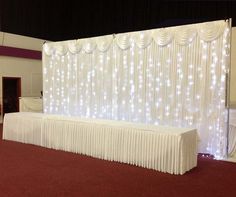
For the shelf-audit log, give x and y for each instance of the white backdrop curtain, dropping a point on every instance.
(170, 76)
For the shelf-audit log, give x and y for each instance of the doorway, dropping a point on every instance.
(11, 91)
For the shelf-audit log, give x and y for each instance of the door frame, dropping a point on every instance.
(18, 84)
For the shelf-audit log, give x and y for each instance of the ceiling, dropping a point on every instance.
(71, 19)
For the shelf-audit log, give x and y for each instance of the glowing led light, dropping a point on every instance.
(204, 57)
(191, 83)
(179, 70)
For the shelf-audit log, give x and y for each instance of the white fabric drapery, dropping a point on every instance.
(171, 76)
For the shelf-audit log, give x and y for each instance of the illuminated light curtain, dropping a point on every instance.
(171, 76)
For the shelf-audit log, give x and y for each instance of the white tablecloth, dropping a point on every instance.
(166, 149)
(232, 133)
(31, 104)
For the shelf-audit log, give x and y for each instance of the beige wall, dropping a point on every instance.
(233, 69)
(24, 42)
(29, 70)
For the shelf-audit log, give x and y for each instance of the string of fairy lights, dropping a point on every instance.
(176, 79)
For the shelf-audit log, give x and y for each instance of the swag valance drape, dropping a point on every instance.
(171, 76)
(183, 35)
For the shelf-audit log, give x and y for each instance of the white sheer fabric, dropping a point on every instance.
(171, 76)
(166, 149)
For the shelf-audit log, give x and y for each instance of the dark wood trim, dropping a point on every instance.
(18, 91)
(22, 53)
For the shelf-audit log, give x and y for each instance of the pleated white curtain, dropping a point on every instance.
(171, 76)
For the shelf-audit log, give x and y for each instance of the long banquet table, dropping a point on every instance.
(166, 149)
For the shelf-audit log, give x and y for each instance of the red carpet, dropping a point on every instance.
(28, 170)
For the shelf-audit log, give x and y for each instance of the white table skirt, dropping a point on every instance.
(166, 149)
